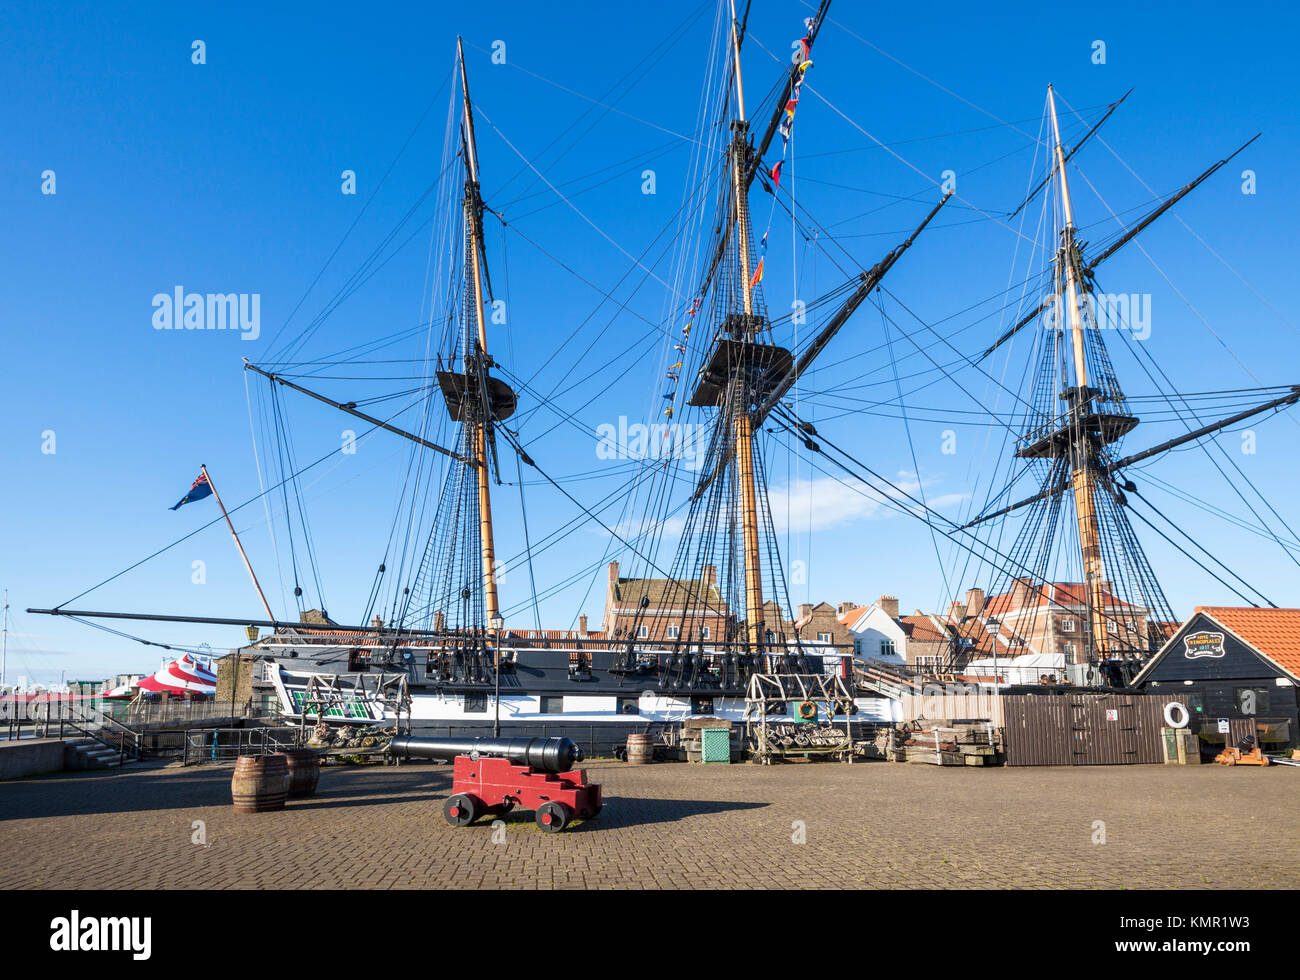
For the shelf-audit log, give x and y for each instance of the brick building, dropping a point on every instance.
(823, 624)
(1053, 619)
(675, 609)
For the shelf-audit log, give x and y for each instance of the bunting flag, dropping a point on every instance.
(786, 127)
(757, 277)
(671, 374)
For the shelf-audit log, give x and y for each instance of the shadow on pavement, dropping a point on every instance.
(139, 791)
(633, 812)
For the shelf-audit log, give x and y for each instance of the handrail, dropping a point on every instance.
(97, 735)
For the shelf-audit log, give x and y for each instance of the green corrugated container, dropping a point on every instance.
(715, 745)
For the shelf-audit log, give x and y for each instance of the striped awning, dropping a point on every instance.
(188, 675)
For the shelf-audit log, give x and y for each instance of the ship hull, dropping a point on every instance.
(540, 695)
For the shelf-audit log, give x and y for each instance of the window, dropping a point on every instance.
(1068, 650)
(927, 661)
(1067, 626)
(887, 648)
(701, 706)
(628, 706)
(823, 638)
(674, 632)
(642, 632)
(1112, 627)
(704, 632)
(475, 703)
(552, 705)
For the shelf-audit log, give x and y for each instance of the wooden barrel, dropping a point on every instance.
(304, 771)
(639, 752)
(260, 783)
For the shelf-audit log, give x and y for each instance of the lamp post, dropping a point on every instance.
(498, 625)
(993, 626)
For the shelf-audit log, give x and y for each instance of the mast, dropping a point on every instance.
(1082, 477)
(743, 422)
(4, 642)
(477, 360)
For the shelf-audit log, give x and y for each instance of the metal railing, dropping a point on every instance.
(216, 745)
(143, 713)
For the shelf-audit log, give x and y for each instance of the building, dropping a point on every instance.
(666, 610)
(1052, 618)
(824, 625)
(931, 642)
(1238, 668)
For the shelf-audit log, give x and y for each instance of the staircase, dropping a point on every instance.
(101, 744)
(880, 679)
(90, 753)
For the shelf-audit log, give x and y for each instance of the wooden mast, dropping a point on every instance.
(479, 423)
(1082, 476)
(744, 431)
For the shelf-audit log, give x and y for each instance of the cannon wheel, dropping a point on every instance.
(462, 809)
(553, 817)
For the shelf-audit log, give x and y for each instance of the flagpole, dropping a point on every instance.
(260, 594)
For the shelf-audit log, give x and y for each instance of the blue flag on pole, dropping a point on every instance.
(198, 491)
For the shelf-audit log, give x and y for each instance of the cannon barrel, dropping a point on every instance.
(542, 754)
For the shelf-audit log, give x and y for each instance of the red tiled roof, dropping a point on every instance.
(1050, 593)
(920, 628)
(850, 616)
(1273, 632)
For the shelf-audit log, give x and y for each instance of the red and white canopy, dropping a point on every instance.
(184, 676)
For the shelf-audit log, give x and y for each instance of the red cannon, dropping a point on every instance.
(493, 776)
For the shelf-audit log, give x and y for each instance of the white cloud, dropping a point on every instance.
(825, 502)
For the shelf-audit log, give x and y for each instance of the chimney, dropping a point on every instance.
(582, 624)
(439, 622)
(889, 603)
(805, 609)
(1021, 589)
(844, 607)
(957, 611)
(974, 602)
(377, 623)
(710, 575)
(613, 573)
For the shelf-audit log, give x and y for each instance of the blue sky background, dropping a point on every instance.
(225, 177)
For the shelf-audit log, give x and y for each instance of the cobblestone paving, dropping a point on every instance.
(873, 825)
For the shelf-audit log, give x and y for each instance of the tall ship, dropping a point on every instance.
(699, 619)
(697, 622)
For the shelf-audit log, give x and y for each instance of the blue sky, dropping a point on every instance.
(225, 177)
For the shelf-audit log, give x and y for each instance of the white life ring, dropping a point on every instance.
(1183, 719)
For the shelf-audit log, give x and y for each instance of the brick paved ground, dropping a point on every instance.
(672, 826)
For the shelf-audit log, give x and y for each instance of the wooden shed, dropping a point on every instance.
(1238, 669)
